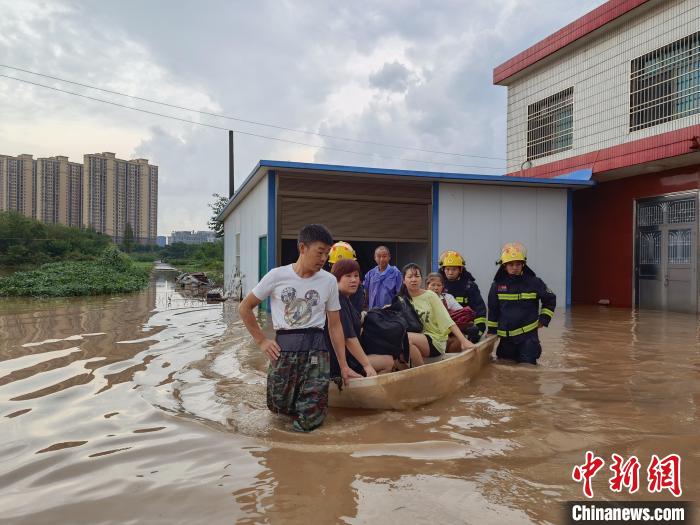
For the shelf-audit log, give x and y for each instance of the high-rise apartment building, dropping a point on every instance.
(17, 183)
(59, 191)
(118, 192)
(104, 193)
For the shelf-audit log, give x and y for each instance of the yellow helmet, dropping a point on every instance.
(341, 250)
(451, 258)
(513, 251)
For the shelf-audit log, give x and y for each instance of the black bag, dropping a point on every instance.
(384, 333)
(410, 318)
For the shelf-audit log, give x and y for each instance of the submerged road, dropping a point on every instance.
(150, 408)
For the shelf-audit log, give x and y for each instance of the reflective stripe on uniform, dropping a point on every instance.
(516, 296)
(518, 331)
(492, 324)
(480, 320)
(461, 300)
(547, 312)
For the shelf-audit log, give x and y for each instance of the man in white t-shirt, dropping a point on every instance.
(302, 295)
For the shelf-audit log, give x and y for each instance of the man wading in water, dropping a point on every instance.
(301, 295)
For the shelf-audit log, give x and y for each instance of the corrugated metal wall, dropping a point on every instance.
(250, 220)
(478, 220)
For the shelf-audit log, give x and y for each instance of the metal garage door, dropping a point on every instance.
(355, 207)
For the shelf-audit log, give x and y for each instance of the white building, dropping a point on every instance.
(617, 92)
(192, 237)
(417, 214)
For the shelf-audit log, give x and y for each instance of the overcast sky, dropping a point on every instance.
(412, 73)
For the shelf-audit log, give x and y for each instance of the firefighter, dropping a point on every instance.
(343, 250)
(462, 285)
(514, 306)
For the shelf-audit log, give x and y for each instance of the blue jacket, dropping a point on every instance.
(382, 288)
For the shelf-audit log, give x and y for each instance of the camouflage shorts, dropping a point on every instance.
(297, 382)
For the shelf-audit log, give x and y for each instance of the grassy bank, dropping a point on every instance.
(113, 272)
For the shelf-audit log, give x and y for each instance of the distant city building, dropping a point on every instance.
(161, 240)
(59, 190)
(17, 179)
(104, 193)
(193, 237)
(118, 192)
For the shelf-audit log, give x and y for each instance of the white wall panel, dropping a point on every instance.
(493, 215)
(599, 71)
(250, 220)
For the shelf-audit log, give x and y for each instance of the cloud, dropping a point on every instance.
(406, 73)
(393, 76)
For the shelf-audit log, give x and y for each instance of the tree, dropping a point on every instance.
(128, 244)
(217, 206)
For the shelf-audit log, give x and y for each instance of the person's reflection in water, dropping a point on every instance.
(300, 487)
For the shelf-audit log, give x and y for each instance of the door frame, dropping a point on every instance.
(635, 247)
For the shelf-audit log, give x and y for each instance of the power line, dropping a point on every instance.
(257, 123)
(331, 148)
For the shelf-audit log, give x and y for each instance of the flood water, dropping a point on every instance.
(150, 408)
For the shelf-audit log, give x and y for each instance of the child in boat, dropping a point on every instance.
(382, 282)
(343, 250)
(303, 297)
(347, 272)
(462, 285)
(514, 306)
(436, 321)
(436, 283)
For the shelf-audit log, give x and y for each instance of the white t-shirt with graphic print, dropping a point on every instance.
(295, 302)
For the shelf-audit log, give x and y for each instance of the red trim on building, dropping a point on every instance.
(603, 247)
(649, 149)
(588, 23)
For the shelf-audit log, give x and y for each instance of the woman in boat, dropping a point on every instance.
(440, 333)
(347, 272)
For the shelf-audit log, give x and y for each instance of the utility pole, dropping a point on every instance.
(230, 164)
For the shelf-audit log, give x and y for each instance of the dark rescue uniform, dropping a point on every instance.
(466, 293)
(514, 314)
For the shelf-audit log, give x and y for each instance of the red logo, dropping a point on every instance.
(587, 471)
(626, 474)
(665, 474)
(502, 288)
(662, 474)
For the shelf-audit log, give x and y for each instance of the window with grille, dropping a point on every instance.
(665, 84)
(550, 125)
(680, 247)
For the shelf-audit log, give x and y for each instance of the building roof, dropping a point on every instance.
(574, 180)
(584, 26)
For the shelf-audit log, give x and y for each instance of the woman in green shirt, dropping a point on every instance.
(437, 323)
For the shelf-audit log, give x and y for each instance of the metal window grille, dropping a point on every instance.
(665, 84)
(650, 214)
(679, 247)
(682, 211)
(550, 125)
(650, 247)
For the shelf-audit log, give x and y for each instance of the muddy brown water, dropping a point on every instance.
(150, 408)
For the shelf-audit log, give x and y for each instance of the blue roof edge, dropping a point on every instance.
(577, 179)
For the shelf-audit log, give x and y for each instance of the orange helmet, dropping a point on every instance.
(451, 258)
(341, 250)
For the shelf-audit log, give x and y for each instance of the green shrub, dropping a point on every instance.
(112, 273)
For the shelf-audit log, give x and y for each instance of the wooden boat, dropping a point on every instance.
(415, 386)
